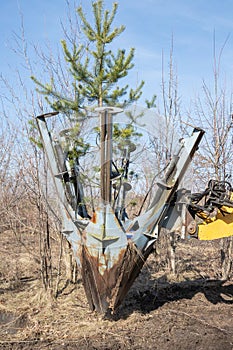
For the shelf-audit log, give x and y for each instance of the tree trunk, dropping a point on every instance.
(226, 257)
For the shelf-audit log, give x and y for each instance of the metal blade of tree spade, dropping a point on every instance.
(109, 251)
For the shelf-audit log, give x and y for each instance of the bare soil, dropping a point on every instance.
(192, 310)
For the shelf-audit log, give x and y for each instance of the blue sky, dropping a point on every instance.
(150, 25)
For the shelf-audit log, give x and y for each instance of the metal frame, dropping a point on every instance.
(109, 260)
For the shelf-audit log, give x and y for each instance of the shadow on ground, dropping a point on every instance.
(149, 299)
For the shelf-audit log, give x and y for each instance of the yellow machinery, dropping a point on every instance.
(212, 212)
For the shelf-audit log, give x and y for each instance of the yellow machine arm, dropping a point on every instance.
(212, 212)
(217, 227)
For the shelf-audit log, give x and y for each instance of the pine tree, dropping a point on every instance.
(96, 72)
(95, 69)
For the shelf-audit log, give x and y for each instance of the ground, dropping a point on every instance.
(192, 310)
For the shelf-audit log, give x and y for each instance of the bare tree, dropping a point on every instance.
(213, 111)
(25, 203)
(166, 138)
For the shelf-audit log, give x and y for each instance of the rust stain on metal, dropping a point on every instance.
(99, 287)
(94, 218)
(108, 290)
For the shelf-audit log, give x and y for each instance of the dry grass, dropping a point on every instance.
(29, 314)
